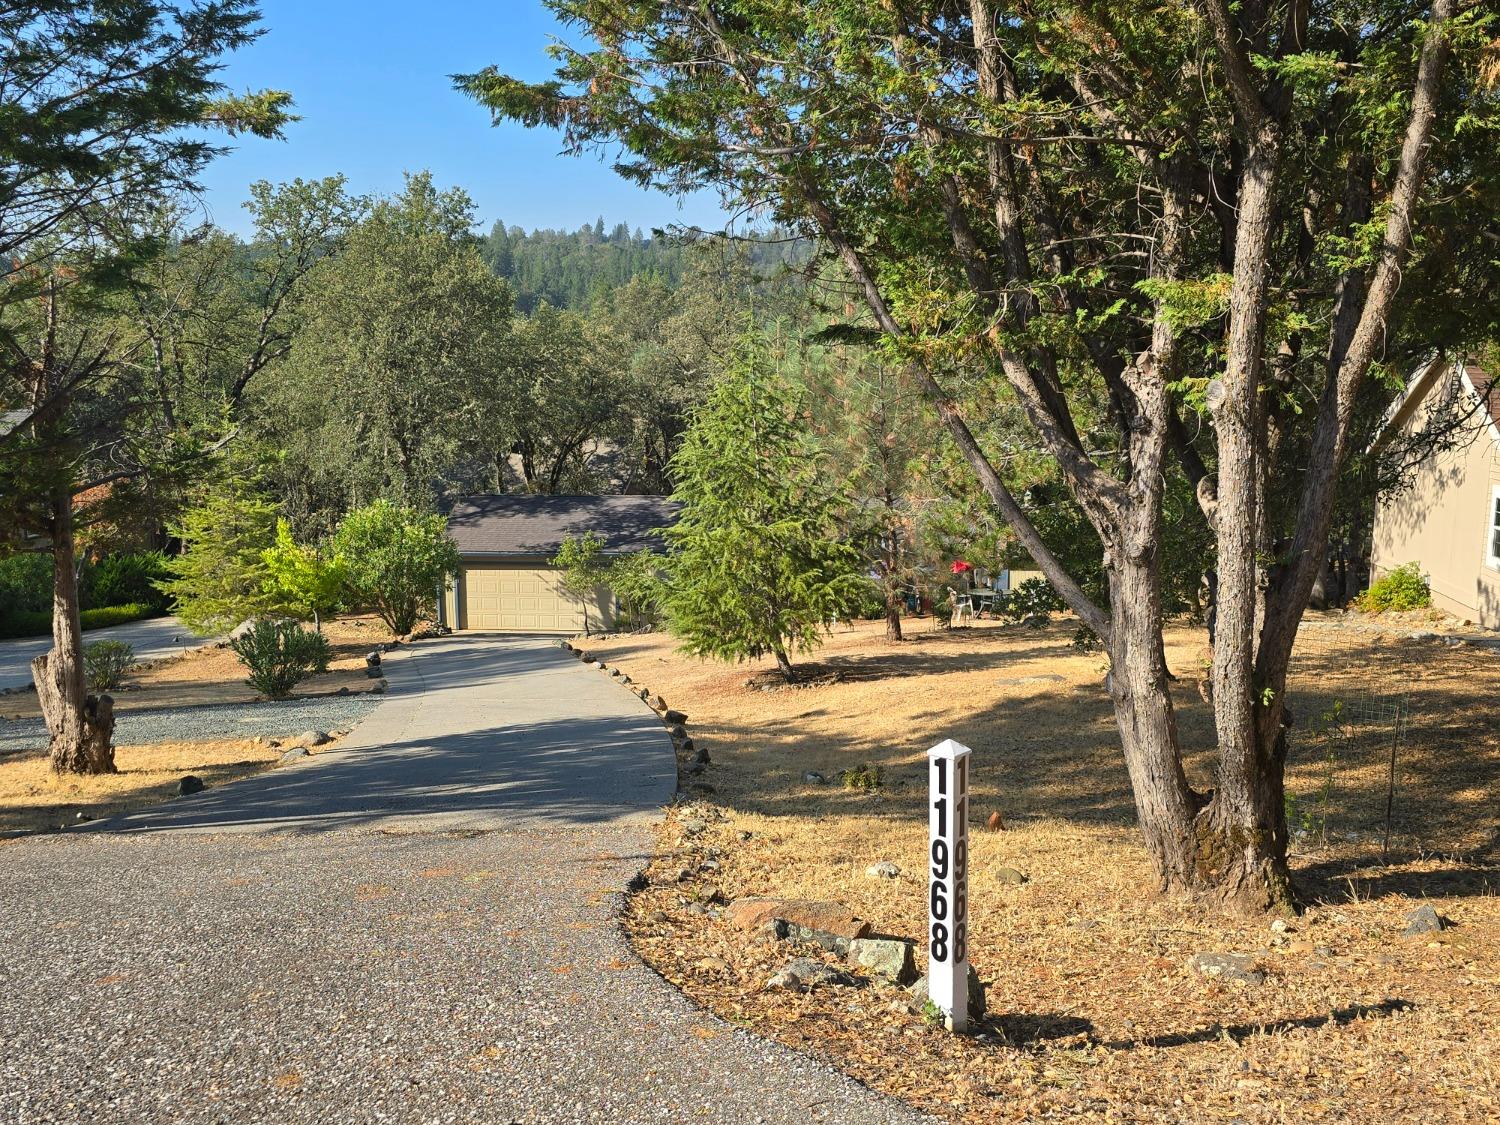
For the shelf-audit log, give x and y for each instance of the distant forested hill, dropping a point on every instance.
(571, 269)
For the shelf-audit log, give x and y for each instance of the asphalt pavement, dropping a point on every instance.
(152, 639)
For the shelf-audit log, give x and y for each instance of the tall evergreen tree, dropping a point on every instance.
(757, 561)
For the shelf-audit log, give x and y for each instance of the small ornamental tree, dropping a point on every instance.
(220, 578)
(300, 579)
(583, 568)
(394, 560)
(756, 563)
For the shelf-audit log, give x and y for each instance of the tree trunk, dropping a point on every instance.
(81, 727)
(892, 615)
(784, 666)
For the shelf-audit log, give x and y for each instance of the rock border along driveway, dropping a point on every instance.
(416, 927)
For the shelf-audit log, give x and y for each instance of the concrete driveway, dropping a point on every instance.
(417, 927)
(152, 639)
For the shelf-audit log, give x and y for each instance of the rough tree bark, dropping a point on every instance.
(81, 726)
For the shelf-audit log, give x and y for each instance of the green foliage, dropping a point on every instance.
(583, 568)
(864, 777)
(1033, 600)
(395, 559)
(25, 585)
(301, 580)
(220, 578)
(757, 563)
(574, 269)
(1406, 587)
(39, 623)
(125, 578)
(105, 664)
(279, 655)
(636, 580)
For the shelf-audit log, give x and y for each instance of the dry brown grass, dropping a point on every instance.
(34, 799)
(1093, 1010)
(214, 674)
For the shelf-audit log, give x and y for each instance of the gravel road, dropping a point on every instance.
(418, 926)
(234, 720)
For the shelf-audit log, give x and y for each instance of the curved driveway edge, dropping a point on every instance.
(416, 927)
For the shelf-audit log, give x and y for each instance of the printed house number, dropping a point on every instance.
(948, 889)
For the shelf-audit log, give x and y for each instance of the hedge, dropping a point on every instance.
(29, 624)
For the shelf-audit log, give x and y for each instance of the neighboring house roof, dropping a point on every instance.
(527, 525)
(1481, 387)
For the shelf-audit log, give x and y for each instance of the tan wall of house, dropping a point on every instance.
(1442, 523)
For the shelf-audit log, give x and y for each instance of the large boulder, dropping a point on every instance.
(828, 917)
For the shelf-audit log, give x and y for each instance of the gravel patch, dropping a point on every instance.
(189, 724)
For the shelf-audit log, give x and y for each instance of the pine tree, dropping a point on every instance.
(221, 578)
(757, 563)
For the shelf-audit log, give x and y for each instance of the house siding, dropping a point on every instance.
(1441, 522)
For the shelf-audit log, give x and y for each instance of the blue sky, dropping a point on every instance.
(371, 83)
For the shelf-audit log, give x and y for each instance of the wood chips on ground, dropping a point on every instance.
(1093, 1010)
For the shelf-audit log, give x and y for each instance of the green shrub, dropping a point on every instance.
(39, 624)
(280, 655)
(105, 664)
(394, 560)
(863, 777)
(1403, 588)
(25, 586)
(636, 580)
(1033, 598)
(126, 579)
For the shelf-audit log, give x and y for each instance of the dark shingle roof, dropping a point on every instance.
(537, 525)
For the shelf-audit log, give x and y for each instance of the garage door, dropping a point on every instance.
(516, 599)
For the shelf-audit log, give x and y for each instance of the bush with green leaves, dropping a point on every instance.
(39, 624)
(302, 580)
(279, 655)
(1405, 587)
(582, 569)
(127, 579)
(1032, 601)
(637, 581)
(105, 664)
(25, 584)
(395, 560)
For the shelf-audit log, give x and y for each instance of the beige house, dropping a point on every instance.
(1448, 522)
(506, 582)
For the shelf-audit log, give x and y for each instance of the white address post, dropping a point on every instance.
(948, 891)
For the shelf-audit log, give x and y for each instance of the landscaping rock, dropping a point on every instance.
(885, 869)
(693, 827)
(658, 703)
(677, 733)
(294, 753)
(891, 958)
(813, 777)
(189, 785)
(977, 1005)
(313, 738)
(372, 659)
(1011, 876)
(804, 973)
(1423, 920)
(712, 965)
(700, 755)
(823, 939)
(996, 822)
(674, 717)
(823, 917)
(1238, 967)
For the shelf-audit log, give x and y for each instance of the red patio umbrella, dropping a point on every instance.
(960, 567)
